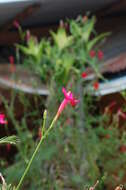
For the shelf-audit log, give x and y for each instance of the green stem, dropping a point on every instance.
(36, 150)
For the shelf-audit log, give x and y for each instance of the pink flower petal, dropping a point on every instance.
(16, 24)
(74, 102)
(100, 55)
(92, 53)
(66, 94)
(68, 98)
(2, 119)
(62, 106)
(84, 75)
(11, 59)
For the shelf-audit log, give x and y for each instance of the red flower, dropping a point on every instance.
(11, 60)
(84, 75)
(2, 119)
(16, 24)
(100, 55)
(92, 53)
(122, 148)
(68, 98)
(96, 85)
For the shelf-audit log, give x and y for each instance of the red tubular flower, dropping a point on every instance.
(68, 98)
(11, 60)
(16, 24)
(92, 53)
(100, 55)
(2, 119)
(84, 75)
(96, 86)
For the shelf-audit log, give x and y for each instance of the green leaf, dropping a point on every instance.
(61, 39)
(9, 140)
(88, 28)
(75, 28)
(24, 49)
(96, 40)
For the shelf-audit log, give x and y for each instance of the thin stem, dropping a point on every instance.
(37, 148)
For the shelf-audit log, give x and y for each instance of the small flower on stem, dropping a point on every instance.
(11, 59)
(92, 53)
(100, 55)
(96, 85)
(84, 75)
(16, 24)
(64, 25)
(68, 99)
(61, 24)
(2, 119)
(12, 65)
(84, 19)
(122, 148)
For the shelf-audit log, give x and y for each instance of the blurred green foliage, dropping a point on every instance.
(65, 54)
(77, 152)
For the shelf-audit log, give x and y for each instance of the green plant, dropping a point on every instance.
(67, 54)
(92, 144)
(9, 140)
